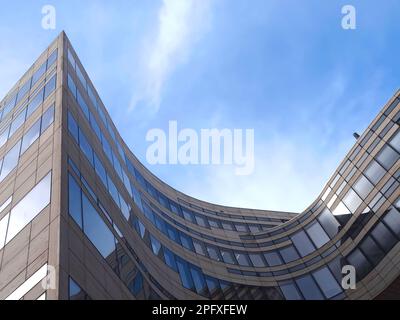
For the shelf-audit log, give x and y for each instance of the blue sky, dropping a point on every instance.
(283, 67)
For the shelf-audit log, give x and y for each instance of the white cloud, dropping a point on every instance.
(180, 25)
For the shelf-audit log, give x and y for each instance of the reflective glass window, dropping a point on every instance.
(96, 229)
(155, 245)
(137, 284)
(184, 274)
(34, 103)
(198, 280)
(257, 260)
(372, 250)
(290, 291)
(327, 282)
(17, 122)
(392, 219)
(289, 254)
(74, 200)
(47, 118)
(169, 258)
(83, 105)
(308, 288)
(4, 136)
(3, 230)
(363, 187)
(317, 234)
(199, 248)
(51, 59)
(329, 223)
(29, 207)
(113, 191)
(10, 160)
(213, 253)
(85, 146)
(38, 73)
(186, 242)
(384, 237)
(30, 136)
(302, 243)
(352, 200)
(71, 85)
(24, 90)
(101, 172)
(360, 263)
(273, 259)
(81, 76)
(71, 59)
(50, 86)
(73, 127)
(228, 257)
(387, 157)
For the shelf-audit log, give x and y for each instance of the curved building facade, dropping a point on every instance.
(79, 210)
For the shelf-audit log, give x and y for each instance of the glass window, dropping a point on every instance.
(201, 221)
(184, 274)
(3, 230)
(47, 118)
(352, 200)
(24, 90)
(102, 116)
(290, 291)
(73, 127)
(155, 245)
(71, 59)
(83, 105)
(213, 223)
(186, 242)
(137, 284)
(227, 225)
(71, 85)
(101, 172)
(308, 288)
(142, 229)
(74, 200)
(340, 209)
(30, 136)
(240, 227)
(187, 215)
(17, 122)
(289, 254)
(4, 136)
(371, 250)
(302, 243)
(273, 259)
(34, 103)
(50, 86)
(327, 282)
(198, 247)
(317, 234)
(80, 76)
(107, 149)
(363, 187)
(228, 257)
(38, 73)
(173, 234)
(329, 223)
(51, 59)
(213, 253)
(10, 160)
(360, 263)
(85, 146)
(29, 207)
(198, 280)
(113, 191)
(96, 229)
(387, 157)
(9, 105)
(392, 219)
(257, 260)
(95, 127)
(384, 237)
(75, 291)
(92, 97)
(124, 208)
(212, 284)
(169, 258)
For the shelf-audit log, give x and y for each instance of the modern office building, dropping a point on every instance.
(78, 210)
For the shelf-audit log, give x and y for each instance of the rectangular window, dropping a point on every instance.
(387, 157)
(82, 104)
(302, 243)
(47, 118)
(329, 223)
(35, 103)
(85, 146)
(81, 76)
(29, 207)
(290, 291)
(96, 229)
(360, 263)
(198, 280)
(184, 274)
(308, 288)
(101, 172)
(371, 250)
(228, 257)
(317, 234)
(73, 127)
(273, 259)
(17, 122)
(363, 187)
(30, 136)
(257, 260)
(352, 200)
(51, 59)
(50, 86)
(3, 230)
(74, 201)
(113, 191)
(384, 237)
(71, 85)
(71, 59)
(169, 258)
(10, 160)
(289, 254)
(327, 282)
(24, 90)
(38, 73)
(392, 219)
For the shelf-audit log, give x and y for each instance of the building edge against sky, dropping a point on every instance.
(76, 204)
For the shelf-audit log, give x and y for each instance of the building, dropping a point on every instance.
(78, 210)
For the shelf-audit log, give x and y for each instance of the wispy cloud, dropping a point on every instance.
(180, 25)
